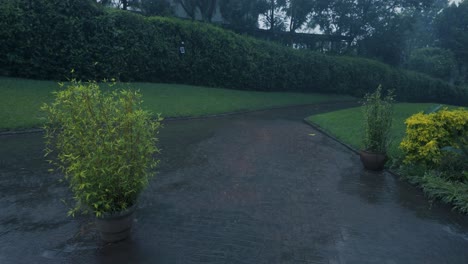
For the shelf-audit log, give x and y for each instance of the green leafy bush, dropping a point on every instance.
(435, 62)
(455, 193)
(436, 154)
(458, 161)
(436, 186)
(378, 115)
(44, 39)
(104, 144)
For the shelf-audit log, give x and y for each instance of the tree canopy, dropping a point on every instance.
(242, 13)
(452, 31)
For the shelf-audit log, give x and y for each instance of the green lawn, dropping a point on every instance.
(21, 99)
(346, 125)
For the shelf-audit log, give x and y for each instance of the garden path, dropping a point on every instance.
(262, 187)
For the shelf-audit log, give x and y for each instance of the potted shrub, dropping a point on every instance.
(377, 113)
(104, 144)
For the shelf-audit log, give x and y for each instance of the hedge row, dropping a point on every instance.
(45, 39)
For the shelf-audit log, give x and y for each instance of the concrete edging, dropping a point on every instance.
(322, 131)
(19, 132)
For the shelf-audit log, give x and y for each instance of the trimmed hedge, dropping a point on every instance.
(45, 39)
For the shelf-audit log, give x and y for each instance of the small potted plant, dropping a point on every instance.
(378, 114)
(104, 143)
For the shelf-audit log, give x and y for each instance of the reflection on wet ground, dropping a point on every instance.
(252, 188)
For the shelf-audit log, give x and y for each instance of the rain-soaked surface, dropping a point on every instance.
(252, 188)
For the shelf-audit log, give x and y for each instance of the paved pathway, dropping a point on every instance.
(254, 188)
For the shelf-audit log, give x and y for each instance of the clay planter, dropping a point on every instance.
(116, 226)
(373, 161)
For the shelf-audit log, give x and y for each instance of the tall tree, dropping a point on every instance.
(207, 9)
(298, 12)
(189, 6)
(452, 30)
(126, 4)
(156, 7)
(104, 2)
(387, 42)
(421, 33)
(242, 13)
(274, 19)
(123, 4)
(360, 18)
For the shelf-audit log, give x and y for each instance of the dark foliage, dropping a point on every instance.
(435, 62)
(452, 30)
(48, 38)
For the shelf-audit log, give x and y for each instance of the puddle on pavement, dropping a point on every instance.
(33, 217)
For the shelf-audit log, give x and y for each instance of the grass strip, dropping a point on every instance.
(21, 99)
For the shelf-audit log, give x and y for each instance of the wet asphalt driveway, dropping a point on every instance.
(252, 188)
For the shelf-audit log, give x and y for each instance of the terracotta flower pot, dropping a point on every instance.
(373, 161)
(116, 226)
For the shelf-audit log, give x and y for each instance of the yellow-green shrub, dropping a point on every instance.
(426, 134)
(104, 144)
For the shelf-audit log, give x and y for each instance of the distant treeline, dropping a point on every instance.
(46, 39)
